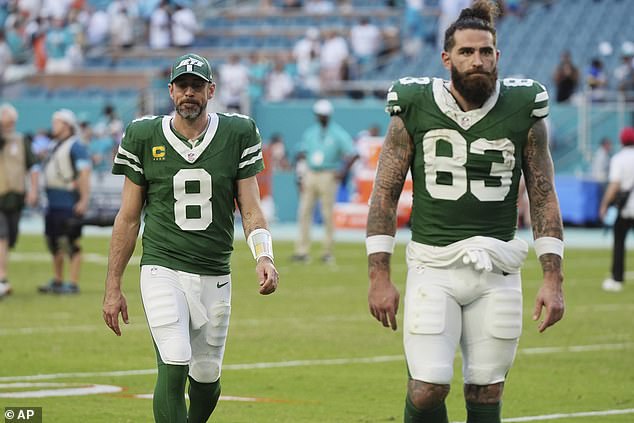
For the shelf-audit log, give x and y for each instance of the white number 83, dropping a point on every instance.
(455, 165)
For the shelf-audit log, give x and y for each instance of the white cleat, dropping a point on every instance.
(611, 285)
(5, 289)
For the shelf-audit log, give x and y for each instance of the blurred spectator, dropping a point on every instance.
(413, 31)
(121, 28)
(279, 84)
(67, 175)
(333, 59)
(277, 151)
(234, 83)
(41, 145)
(566, 78)
(258, 69)
(619, 193)
(449, 12)
(6, 58)
(624, 73)
(316, 7)
(184, 26)
(601, 161)
(18, 42)
(98, 28)
(59, 39)
(325, 146)
(16, 159)
(101, 149)
(305, 49)
(596, 80)
(159, 32)
(110, 125)
(55, 9)
(365, 42)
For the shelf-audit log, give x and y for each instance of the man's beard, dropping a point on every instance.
(475, 87)
(189, 111)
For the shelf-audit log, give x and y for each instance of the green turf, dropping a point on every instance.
(318, 313)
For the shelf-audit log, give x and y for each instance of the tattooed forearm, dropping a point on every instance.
(539, 174)
(394, 162)
(378, 262)
(550, 262)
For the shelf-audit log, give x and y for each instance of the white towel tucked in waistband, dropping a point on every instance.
(506, 256)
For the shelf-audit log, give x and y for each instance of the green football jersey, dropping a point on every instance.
(467, 165)
(190, 191)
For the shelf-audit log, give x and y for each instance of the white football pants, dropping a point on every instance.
(480, 310)
(188, 316)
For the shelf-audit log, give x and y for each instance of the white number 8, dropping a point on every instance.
(201, 199)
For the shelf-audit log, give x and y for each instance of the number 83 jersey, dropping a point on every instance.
(467, 165)
(189, 188)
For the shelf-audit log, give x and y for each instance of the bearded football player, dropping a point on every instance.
(467, 142)
(185, 172)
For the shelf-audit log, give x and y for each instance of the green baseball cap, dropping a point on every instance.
(191, 63)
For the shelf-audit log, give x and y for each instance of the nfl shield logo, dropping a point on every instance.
(191, 156)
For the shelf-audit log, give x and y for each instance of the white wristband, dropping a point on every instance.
(260, 242)
(379, 244)
(549, 245)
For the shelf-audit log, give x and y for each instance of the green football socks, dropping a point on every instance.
(483, 413)
(169, 394)
(434, 415)
(203, 398)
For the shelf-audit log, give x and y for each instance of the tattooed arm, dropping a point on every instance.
(546, 220)
(253, 218)
(394, 162)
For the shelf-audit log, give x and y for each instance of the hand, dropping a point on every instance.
(267, 275)
(81, 207)
(114, 302)
(31, 198)
(383, 300)
(603, 209)
(550, 296)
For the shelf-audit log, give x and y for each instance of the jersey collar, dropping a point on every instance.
(448, 105)
(190, 154)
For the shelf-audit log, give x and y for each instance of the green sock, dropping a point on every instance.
(434, 415)
(203, 398)
(169, 393)
(483, 413)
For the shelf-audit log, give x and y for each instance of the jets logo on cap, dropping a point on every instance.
(190, 63)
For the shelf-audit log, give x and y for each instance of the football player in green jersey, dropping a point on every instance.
(185, 171)
(467, 142)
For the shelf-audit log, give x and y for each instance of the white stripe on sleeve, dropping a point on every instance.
(251, 149)
(250, 161)
(134, 167)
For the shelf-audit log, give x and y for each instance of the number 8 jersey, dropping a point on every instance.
(190, 188)
(466, 165)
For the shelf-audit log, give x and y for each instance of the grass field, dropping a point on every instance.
(309, 353)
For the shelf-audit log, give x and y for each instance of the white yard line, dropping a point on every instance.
(305, 363)
(567, 415)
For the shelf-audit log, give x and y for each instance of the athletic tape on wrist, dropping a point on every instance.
(549, 245)
(260, 242)
(379, 244)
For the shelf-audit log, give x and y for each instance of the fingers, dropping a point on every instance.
(268, 280)
(124, 314)
(387, 317)
(112, 321)
(537, 311)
